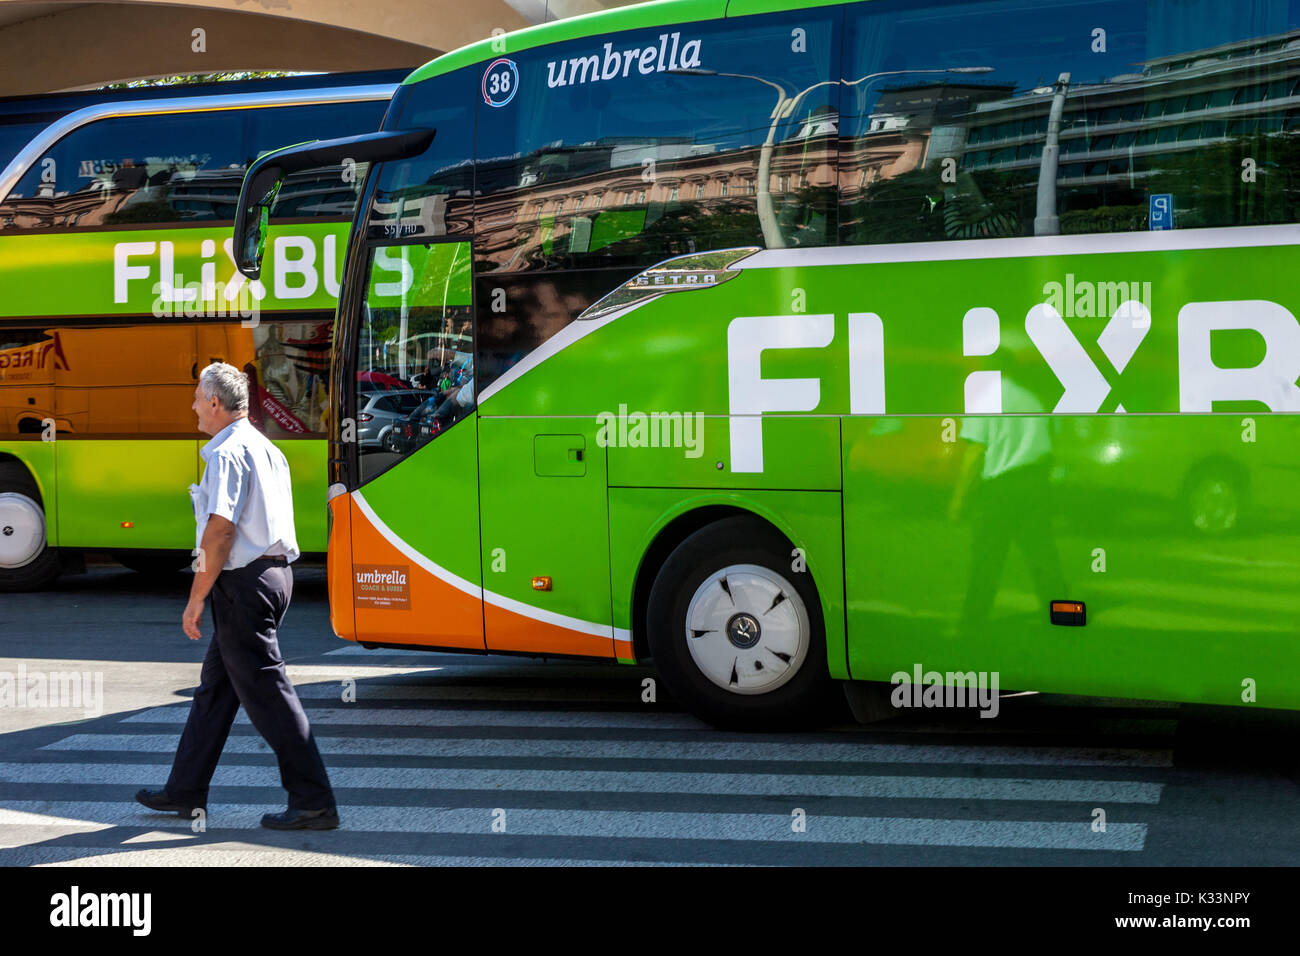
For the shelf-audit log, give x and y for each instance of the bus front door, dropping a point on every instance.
(412, 523)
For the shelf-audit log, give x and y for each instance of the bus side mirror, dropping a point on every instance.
(252, 218)
(264, 177)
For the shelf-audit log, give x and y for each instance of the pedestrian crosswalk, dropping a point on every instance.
(454, 760)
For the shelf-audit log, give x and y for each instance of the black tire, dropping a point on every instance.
(806, 698)
(154, 564)
(42, 570)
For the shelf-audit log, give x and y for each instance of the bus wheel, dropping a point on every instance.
(27, 563)
(736, 634)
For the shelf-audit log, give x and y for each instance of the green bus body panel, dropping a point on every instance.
(816, 466)
(308, 467)
(1129, 498)
(430, 501)
(552, 525)
(102, 482)
(41, 459)
(86, 273)
(811, 520)
(145, 482)
(672, 351)
(90, 487)
(633, 17)
(1172, 612)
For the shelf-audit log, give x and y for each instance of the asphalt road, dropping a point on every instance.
(463, 759)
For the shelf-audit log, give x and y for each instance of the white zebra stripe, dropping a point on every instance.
(619, 781)
(622, 824)
(851, 752)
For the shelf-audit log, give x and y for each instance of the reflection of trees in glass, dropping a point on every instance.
(1206, 184)
(806, 216)
(918, 205)
(1106, 218)
(1208, 188)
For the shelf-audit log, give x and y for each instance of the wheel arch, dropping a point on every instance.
(678, 524)
(8, 458)
(39, 468)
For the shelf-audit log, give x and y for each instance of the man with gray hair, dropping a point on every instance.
(246, 541)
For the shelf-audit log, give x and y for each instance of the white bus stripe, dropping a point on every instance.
(1172, 240)
(475, 591)
(439, 572)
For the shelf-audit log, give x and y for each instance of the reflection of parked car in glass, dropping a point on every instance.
(376, 381)
(435, 414)
(1226, 478)
(418, 427)
(379, 411)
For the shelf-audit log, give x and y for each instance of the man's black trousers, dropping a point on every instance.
(243, 666)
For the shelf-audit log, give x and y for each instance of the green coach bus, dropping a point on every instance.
(908, 341)
(117, 286)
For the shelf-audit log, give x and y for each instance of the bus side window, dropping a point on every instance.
(944, 118)
(177, 168)
(624, 168)
(414, 357)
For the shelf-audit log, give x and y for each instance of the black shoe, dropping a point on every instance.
(326, 819)
(158, 800)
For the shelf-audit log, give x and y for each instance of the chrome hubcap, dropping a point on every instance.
(747, 629)
(22, 530)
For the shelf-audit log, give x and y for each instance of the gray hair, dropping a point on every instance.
(227, 384)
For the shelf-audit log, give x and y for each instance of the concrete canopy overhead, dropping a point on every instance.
(67, 45)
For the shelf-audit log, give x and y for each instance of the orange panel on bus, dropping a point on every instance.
(339, 563)
(396, 601)
(515, 632)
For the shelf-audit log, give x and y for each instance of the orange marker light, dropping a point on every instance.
(541, 584)
(1069, 613)
(128, 524)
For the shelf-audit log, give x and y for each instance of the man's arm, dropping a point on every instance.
(214, 549)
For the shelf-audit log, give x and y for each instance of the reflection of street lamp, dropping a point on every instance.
(1046, 221)
(785, 107)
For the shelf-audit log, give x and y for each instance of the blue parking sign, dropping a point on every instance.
(1160, 212)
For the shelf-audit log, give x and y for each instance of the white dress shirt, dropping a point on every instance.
(246, 481)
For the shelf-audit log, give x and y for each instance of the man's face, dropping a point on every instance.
(208, 410)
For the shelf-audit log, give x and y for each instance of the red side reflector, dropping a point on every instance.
(1069, 613)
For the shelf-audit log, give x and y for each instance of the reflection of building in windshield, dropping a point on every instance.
(908, 125)
(602, 201)
(166, 194)
(1165, 128)
(1175, 104)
